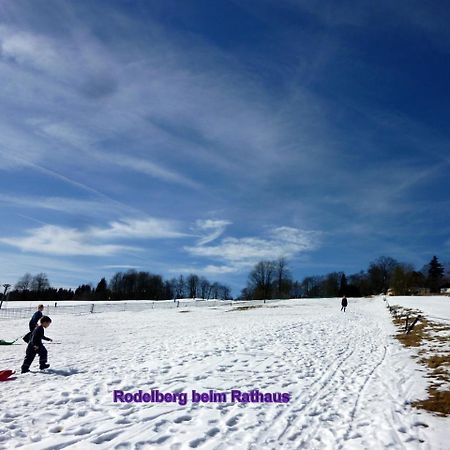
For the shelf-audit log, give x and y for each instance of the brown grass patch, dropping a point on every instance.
(437, 402)
(435, 361)
(433, 356)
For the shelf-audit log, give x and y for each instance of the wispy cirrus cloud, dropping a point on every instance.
(85, 142)
(149, 168)
(161, 94)
(69, 205)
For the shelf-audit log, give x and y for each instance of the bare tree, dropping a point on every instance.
(261, 279)
(283, 278)
(193, 284)
(40, 282)
(205, 288)
(224, 292)
(24, 283)
(380, 272)
(116, 284)
(180, 287)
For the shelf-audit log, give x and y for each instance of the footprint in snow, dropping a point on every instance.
(233, 421)
(196, 442)
(183, 419)
(123, 446)
(122, 421)
(213, 431)
(420, 424)
(82, 431)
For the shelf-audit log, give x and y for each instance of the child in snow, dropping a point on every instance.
(33, 322)
(344, 303)
(36, 316)
(36, 346)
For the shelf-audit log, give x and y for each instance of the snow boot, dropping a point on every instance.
(44, 366)
(24, 370)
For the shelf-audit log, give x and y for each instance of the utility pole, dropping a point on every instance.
(6, 286)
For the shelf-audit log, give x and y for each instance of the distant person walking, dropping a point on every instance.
(33, 322)
(344, 303)
(36, 347)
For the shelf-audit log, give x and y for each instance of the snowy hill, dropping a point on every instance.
(350, 383)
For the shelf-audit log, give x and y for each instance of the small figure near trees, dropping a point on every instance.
(344, 303)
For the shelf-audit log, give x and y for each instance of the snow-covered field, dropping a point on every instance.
(435, 307)
(350, 382)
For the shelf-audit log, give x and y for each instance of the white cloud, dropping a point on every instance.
(207, 270)
(58, 240)
(219, 270)
(149, 228)
(243, 252)
(213, 228)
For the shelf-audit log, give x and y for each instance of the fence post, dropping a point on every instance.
(406, 325)
(92, 308)
(412, 325)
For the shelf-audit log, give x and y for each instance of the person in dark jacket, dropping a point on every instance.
(36, 316)
(35, 346)
(344, 303)
(33, 322)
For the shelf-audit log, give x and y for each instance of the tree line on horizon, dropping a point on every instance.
(130, 285)
(273, 279)
(268, 279)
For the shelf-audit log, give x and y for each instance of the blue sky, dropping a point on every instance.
(204, 136)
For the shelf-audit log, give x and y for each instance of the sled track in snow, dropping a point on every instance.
(297, 433)
(358, 399)
(301, 426)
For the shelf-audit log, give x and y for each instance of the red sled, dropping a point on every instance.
(5, 374)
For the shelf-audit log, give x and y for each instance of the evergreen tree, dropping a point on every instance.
(435, 274)
(101, 291)
(343, 285)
